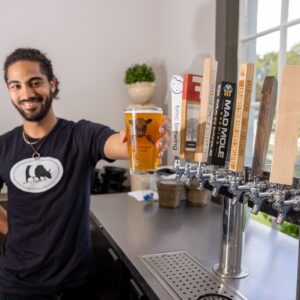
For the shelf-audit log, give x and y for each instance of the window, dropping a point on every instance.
(269, 36)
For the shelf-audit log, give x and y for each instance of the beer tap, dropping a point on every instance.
(190, 172)
(283, 204)
(217, 180)
(237, 186)
(257, 194)
(179, 170)
(202, 175)
(187, 169)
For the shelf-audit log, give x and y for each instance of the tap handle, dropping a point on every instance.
(234, 200)
(187, 168)
(280, 218)
(255, 209)
(201, 186)
(297, 203)
(241, 116)
(176, 163)
(264, 124)
(214, 192)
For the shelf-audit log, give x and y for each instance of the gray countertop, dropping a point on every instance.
(139, 228)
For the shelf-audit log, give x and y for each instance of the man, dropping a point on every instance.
(46, 164)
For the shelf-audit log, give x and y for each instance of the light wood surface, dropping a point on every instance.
(264, 124)
(241, 117)
(206, 107)
(287, 127)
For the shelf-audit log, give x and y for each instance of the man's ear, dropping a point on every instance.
(53, 83)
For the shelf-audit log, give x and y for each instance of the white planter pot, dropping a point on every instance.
(141, 92)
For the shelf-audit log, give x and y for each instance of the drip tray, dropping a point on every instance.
(186, 278)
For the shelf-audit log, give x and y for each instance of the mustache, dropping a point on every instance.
(31, 99)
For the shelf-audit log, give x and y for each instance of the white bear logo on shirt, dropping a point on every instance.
(36, 175)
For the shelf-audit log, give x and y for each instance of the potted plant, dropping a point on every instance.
(140, 81)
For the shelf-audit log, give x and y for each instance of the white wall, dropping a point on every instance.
(92, 42)
(188, 35)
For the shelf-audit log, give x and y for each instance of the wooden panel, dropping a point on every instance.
(287, 128)
(190, 112)
(241, 117)
(206, 107)
(264, 124)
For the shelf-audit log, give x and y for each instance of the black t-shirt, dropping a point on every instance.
(48, 245)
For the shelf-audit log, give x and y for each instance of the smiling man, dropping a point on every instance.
(46, 164)
(32, 97)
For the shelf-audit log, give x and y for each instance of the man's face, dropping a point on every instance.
(30, 90)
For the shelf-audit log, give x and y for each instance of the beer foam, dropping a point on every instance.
(140, 111)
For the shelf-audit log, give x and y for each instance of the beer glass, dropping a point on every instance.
(142, 124)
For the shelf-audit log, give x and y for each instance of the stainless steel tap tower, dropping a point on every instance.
(232, 240)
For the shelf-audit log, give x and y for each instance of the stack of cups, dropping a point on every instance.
(169, 193)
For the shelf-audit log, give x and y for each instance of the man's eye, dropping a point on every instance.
(36, 83)
(14, 87)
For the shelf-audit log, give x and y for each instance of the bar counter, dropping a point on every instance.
(138, 228)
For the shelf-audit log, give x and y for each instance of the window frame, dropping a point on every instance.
(247, 23)
(282, 28)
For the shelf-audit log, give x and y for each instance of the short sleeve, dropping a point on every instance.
(93, 136)
(1, 183)
(1, 180)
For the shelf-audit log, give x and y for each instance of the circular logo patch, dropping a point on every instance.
(36, 175)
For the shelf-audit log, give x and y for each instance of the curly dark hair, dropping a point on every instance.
(32, 55)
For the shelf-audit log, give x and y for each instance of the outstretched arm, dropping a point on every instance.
(116, 146)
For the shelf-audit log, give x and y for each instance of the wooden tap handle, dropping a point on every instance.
(206, 107)
(241, 117)
(287, 127)
(264, 124)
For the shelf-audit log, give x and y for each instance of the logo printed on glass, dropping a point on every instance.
(140, 129)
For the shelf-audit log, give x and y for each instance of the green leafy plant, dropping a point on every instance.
(139, 73)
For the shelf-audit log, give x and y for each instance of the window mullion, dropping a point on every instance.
(283, 36)
(247, 24)
(260, 34)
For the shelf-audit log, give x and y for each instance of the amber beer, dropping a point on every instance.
(142, 125)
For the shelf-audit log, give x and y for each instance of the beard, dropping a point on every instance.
(35, 115)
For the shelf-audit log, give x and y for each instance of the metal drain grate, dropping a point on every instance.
(186, 278)
(213, 297)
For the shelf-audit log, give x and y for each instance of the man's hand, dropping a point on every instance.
(165, 141)
(123, 136)
(3, 220)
